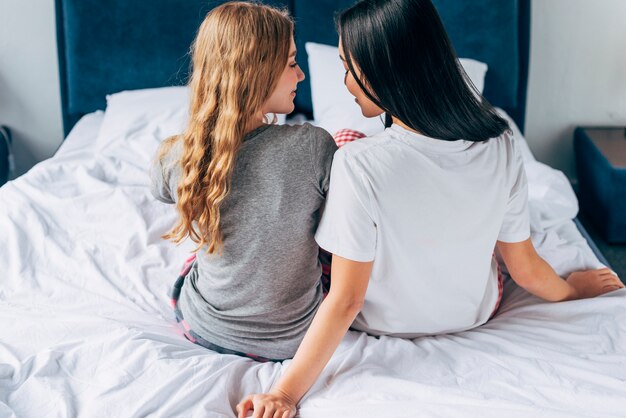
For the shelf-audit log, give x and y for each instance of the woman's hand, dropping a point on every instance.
(592, 283)
(267, 405)
(329, 325)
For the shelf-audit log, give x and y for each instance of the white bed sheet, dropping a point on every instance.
(87, 329)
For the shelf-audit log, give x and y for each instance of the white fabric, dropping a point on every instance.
(522, 145)
(476, 71)
(333, 106)
(428, 212)
(169, 104)
(83, 135)
(158, 105)
(87, 329)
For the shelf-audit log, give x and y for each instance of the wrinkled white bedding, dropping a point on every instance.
(86, 328)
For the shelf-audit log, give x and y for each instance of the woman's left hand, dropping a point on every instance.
(267, 405)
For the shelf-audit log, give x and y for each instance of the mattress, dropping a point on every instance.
(87, 329)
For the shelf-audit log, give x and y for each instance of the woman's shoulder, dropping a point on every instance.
(169, 151)
(304, 140)
(165, 170)
(304, 130)
(506, 143)
(367, 145)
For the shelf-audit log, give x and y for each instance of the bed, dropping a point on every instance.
(87, 329)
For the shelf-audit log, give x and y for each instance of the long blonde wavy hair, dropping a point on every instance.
(238, 56)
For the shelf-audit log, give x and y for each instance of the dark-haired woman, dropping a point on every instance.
(415, 213)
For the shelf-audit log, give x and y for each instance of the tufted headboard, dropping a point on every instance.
(105, 47)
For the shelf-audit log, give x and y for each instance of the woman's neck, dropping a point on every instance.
(398, 122)
(255, 122)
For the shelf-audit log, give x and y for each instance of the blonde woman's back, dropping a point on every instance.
(260, 293)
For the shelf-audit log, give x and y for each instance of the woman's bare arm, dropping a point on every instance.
(332, 320)
(531, 272)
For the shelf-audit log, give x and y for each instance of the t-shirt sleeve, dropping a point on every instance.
(159, 184)
(516, 222)
(323, 148)
(347, 228)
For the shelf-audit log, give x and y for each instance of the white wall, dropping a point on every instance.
(30, 101)
(577, 74)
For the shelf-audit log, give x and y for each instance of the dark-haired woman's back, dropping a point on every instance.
(429, 212)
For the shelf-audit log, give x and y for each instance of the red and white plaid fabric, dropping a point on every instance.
(343, 136)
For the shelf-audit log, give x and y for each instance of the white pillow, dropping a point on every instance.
(334, 107)
(166, 108)
(130, 111)
(476, 71)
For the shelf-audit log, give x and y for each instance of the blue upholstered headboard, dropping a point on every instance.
(114, 45)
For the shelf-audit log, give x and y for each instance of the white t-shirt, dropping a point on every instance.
(428, 212)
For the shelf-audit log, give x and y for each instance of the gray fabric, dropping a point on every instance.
(259, 296)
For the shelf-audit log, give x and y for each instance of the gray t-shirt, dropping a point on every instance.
(260, 294)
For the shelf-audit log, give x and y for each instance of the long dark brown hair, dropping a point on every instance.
(410, 70)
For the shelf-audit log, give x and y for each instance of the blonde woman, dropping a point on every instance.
(248, 192)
